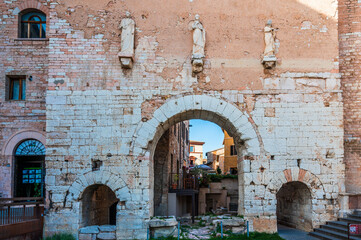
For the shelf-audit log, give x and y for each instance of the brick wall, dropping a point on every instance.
(20, 57)
(350, 49)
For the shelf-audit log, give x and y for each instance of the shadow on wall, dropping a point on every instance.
(294, 206)
(99, 206)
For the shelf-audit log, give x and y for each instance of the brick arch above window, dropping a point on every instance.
(33, 5)
(15, 139)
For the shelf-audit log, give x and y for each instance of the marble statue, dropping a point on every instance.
(269, 58)
(126, 54)
(269, 38)
(199, 41)
(199, 38)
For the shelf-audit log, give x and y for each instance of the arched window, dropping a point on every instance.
(29, 169)
(30, 147)
(33, 24)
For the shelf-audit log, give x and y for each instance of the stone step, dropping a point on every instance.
(356, 216)
(334, 234)
(351, 220)
(340, 229)
(335, 230)
(357, 212)
(338, 223)
(321, 236)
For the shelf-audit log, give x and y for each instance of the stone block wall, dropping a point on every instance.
(20, 57)
(303, 138)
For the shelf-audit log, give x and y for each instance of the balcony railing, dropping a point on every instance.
(180, 181)
(19, 216)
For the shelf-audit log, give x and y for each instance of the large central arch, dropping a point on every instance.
(237, 123)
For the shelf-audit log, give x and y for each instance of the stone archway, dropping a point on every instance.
(303, 182)
(300, 175)
(236, 122)
(103, 177)
(16, 138)
(111, 183)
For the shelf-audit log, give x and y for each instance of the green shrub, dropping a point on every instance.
(219, 177)
(201, 223)
(61, 236)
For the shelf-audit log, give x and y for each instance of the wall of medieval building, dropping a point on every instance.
(294, 111)
(287, 121)
(20, 119)
(171, 158)
(230, 155)
(349, 33)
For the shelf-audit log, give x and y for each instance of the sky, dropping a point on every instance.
(208, 132)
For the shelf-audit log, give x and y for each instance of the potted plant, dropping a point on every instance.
(175, 181)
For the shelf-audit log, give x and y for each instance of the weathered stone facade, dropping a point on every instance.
(287, 122)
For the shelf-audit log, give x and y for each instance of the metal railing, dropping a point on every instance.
(187, 181)
(20, 216)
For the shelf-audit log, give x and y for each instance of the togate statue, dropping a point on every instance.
(269, 39)
(126, 55)
(199, 42)
(199, 38)
(269, 57)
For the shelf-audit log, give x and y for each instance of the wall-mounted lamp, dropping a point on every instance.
(30, 78)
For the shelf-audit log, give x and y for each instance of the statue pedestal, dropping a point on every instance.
(197, 65)
(269, 61)
(126, 60)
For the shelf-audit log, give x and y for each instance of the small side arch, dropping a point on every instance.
(297, 175)
(103, 177)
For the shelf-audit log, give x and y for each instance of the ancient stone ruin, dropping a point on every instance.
(90, 88)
